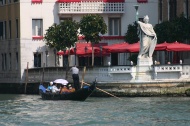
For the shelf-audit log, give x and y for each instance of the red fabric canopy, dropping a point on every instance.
(66, 52)
(116, 48)
(177, 46)
(69, 1)
(36, 1)
(133, 48)
(114, 1)
(142, 1)
(161, 46)
(85, 49)
(122, 47)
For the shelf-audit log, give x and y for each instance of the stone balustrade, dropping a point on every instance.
(167, 71)
(90, 7)
(110, 74)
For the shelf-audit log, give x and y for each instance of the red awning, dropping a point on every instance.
(87, 52)
(114, 1)
(111, 1)
(85, 49)
(116, 48)
(66, 52)
(36, 1)
(104, 37)
(142, 1)
(177, 46)
(85, 44)
(68, 1)
(133, 48)
(162, 46)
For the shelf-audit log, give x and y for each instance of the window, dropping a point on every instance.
(5, 61)
(83, 61)
(160, 10)
(17, 29)
(186, 8)
(37, 59)
(10, 64)
(16, 67)
(2, 2)
(172, 9)
(87, 61)
(16, 1)
(65, 61)
(2, 61)
(5, 30)
(9, 1)
(37, 28)
(114, 26)
(114, 59)
(10, 29)
(1, 30)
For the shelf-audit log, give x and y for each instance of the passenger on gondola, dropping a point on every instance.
(71, 89)
(49, 88)
(64, 89)
(55, 89)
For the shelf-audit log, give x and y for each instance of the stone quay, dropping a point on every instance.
(122, 81)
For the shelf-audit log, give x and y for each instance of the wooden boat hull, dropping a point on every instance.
(79, 95)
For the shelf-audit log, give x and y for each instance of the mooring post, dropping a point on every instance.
(26, 78)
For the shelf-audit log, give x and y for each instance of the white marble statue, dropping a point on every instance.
(148, 39)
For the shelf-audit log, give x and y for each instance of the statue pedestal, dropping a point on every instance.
(144, 69)
(144, 62)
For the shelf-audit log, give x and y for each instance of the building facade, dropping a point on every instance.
(23, 24)
(170, 9)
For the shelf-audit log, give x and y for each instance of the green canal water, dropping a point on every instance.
(31, 110)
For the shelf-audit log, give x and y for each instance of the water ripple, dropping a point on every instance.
(30, 110)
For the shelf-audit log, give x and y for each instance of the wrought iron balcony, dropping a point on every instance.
(91, 7)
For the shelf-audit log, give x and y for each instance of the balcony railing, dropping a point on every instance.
(90, 7)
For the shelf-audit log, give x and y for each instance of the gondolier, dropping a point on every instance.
(75, 72)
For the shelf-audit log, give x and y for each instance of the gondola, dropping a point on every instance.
(79, 95)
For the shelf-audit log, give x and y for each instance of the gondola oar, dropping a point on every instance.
(104, 91)
(84, 70)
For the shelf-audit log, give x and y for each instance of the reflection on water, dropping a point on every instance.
(26, 110)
